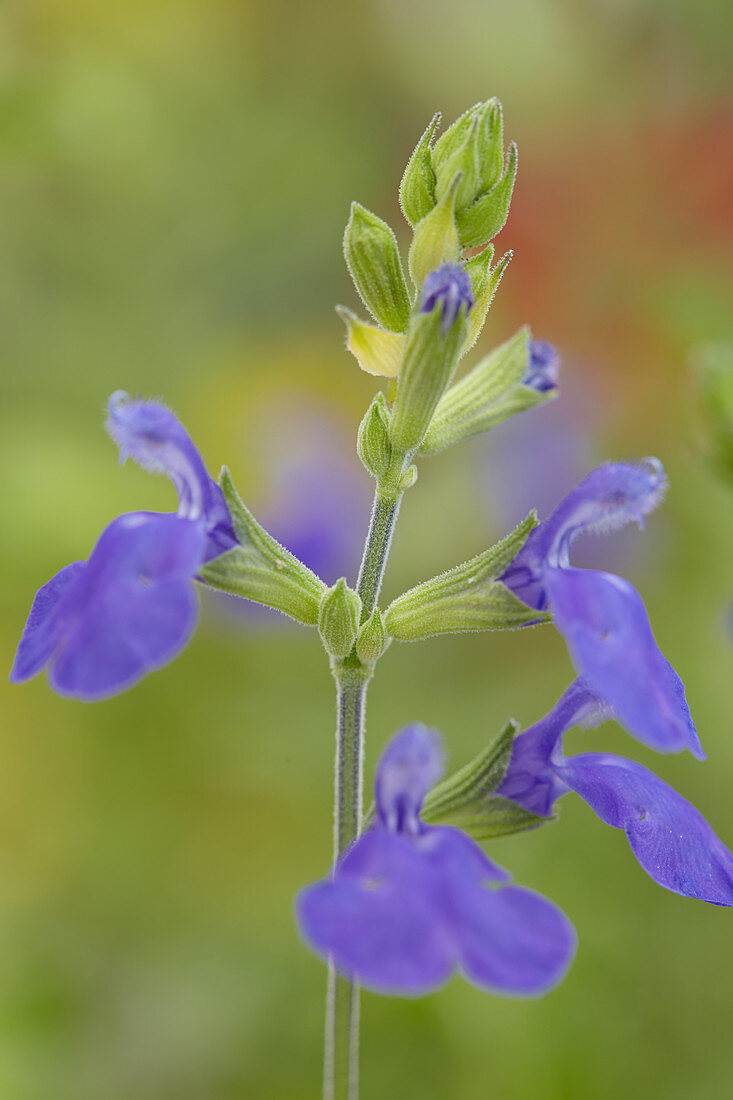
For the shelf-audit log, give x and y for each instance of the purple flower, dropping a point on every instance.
(449, 287)
(543, 369)
(601, 616)
(671, 840)
(410, 903)
(102, 624)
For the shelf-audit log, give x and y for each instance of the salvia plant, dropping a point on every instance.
(411, 896)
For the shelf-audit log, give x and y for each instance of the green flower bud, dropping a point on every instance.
(373, 260)
(427, 368)
(435, 240)
(262, 570)
(372, 640)
(376, 350)
(372, 442)
(338, 619)
(417, 188)
(468, 597)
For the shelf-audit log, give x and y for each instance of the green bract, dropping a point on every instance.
(417, 189)
(373, 260)
(435, 240)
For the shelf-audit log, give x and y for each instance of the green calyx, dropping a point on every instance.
(372, 444)
(338, 619)
(466, 798)
(467, 598)
(488, 395)
(260, 569)
(430, 360)
(372, 639)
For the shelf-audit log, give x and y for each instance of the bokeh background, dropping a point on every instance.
(174, 183)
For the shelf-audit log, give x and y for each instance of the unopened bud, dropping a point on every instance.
(373, 260)
(338, 619)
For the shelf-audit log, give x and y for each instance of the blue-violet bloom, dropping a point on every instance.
(449, 286)
(410, 903)
(102, 624)
(671, 840)
(543, 369)
(602, 617)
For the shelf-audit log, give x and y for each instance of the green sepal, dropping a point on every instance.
(466, 798)
(260, 569)
(468, 597)
(338, 619)
(372, 639)
(372, 442)
(488, 395)
(435, 240)
(484, 283)
(494, 817)
(417, 187)
(481, 221)
(477, 779)
(427, 369)
(373, 260)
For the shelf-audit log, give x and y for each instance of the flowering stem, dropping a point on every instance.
(379, 539)
(341, 1056)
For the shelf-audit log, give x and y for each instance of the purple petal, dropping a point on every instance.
(506, 939)
(543, 368)
(606, 627)
(532, 779)
(129, 609)
(452, 852)
(409, 766)
(670, 838)
(44, 627)
(380, 925)
(154, 437)
(511, 940)
(447, 288)
(608, 498)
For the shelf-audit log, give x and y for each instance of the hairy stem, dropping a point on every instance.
(379, 540)
(341, 1055)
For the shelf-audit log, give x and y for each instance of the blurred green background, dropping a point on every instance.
(174, 183)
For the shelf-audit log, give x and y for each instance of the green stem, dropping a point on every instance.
(341, 1054)
(379, 540)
